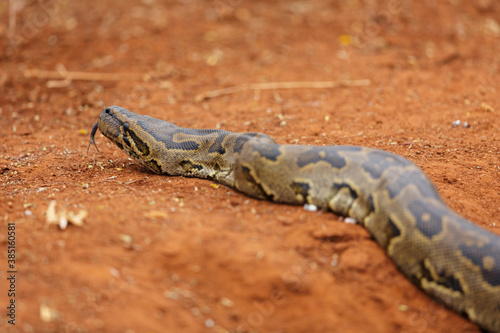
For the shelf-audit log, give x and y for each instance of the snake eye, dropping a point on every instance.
(108, 111)
(126, 126)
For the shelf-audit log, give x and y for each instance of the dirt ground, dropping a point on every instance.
(173, 254)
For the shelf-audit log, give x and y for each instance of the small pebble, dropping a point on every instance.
(114, 272)
(63, 222)
(403, 307)
(227, 302)
(310, 208)
(335, 260)
(48, 314)
(171, 294)
(456, 123)
(209, 323)
(350, 220)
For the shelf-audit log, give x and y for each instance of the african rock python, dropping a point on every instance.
(448, 257)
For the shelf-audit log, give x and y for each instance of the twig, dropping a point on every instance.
(86, 76)
(281, 85)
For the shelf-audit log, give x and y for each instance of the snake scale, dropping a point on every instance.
(448, 257)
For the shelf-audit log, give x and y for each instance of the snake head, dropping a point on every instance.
(120, 126)
(129, 131)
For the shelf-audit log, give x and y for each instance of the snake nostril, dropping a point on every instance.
(107, 110)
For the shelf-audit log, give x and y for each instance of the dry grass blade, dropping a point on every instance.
(281, 85)
(86, 76)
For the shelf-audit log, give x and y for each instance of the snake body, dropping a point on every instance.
(448, 257)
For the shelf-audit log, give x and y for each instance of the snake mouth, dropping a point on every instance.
(110, 126)
(115, 124)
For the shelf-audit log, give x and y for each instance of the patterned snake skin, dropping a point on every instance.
(448, 257)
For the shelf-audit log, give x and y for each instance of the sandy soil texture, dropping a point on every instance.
(173, 254)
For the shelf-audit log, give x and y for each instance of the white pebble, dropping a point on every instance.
(63, 222)
(350, 220)
(209, 323)
(310, 208)
(456, 123)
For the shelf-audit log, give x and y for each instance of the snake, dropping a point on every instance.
(454, 261)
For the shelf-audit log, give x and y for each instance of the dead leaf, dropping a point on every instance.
(152, 214)
(62, 217)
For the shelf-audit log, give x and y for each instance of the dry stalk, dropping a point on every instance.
(281, 85)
